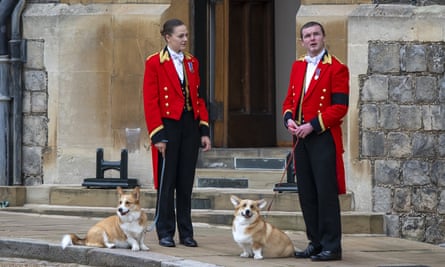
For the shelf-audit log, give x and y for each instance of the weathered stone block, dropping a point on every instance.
(424, 145)
(438, 172)
(375, 88)
(416, 172)
(35, 54)
(441, 145)
(32, 161)
(369, 115)
(35, 80)
(435, 58)
(373, 144)
(441, 205)
(389, 116)
(413, 58)
(399, 144)
(384, 57)
(438, 117)
(413, 228)
(424, 199)
(442, 90)
(410, 118)
(433, 117)
(35, 130)
(435, 230)
(33, 180)
(401, 89)
(392, 223)
(39, 102)
(402, 199)
(387, 172)
(426, 89)
(382, 199)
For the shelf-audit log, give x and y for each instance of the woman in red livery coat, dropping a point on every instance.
(177, 122)
(316, 101)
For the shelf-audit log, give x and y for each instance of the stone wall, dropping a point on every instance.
(397, 138)
(402, 122)
(35, 114)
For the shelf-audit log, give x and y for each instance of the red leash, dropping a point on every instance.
(291, 158)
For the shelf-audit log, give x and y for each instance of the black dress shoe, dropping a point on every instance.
(311, 250)
(327, 256)
(189, 242)
(167, 242)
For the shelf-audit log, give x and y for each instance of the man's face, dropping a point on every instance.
(313, 40)
(177, 41)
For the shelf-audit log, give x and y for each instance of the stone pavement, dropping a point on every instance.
(24, 235)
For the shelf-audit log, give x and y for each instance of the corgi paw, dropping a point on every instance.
(135, 248)
(244, 255)
(144, 247)
(110, 245)
(258, 257)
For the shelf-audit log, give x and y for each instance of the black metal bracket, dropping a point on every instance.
(104, 165)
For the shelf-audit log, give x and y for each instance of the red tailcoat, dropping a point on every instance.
(324, 103)
(163, 97)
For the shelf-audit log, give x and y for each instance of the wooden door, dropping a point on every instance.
(244, 74)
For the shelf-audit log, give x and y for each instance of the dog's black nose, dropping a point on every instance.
(248, 212)
(120, 210)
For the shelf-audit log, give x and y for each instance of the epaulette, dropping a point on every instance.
(150, 56)
(336, 58)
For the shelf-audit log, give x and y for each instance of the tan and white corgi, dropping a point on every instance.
(254, 235)
(126, 229)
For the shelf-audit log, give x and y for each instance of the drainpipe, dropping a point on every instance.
(6, 7)
(17, 47)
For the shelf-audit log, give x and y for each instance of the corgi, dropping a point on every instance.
(126, 229)
(254, 235)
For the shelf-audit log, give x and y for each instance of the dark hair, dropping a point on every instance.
(170, 25)
(310, 24)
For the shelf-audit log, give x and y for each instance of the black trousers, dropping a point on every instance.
(315, 167)
(178, 178)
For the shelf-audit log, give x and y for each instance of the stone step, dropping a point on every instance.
(352, 222)
(210, 205)
(253, 179)
(244, 158)
(202, 198)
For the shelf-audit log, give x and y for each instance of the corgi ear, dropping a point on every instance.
(262, 203)
(119, 190)
(235, 200)
(136, 192)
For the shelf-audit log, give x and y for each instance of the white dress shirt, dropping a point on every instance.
(177, 60)
(312, 63)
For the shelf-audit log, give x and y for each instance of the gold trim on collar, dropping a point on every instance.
(164, 55)
(327, 58)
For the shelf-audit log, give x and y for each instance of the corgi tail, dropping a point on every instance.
(72, 239)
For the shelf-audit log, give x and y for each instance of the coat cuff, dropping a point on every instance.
(160, 136)
(287, 116)
(317, 124)
(204, 130)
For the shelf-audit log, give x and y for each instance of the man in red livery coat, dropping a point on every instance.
(177, 122)
(316, 101)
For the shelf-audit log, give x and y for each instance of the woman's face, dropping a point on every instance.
(313, 40)
(177, 41)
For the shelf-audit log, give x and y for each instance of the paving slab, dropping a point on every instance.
(25, 235)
